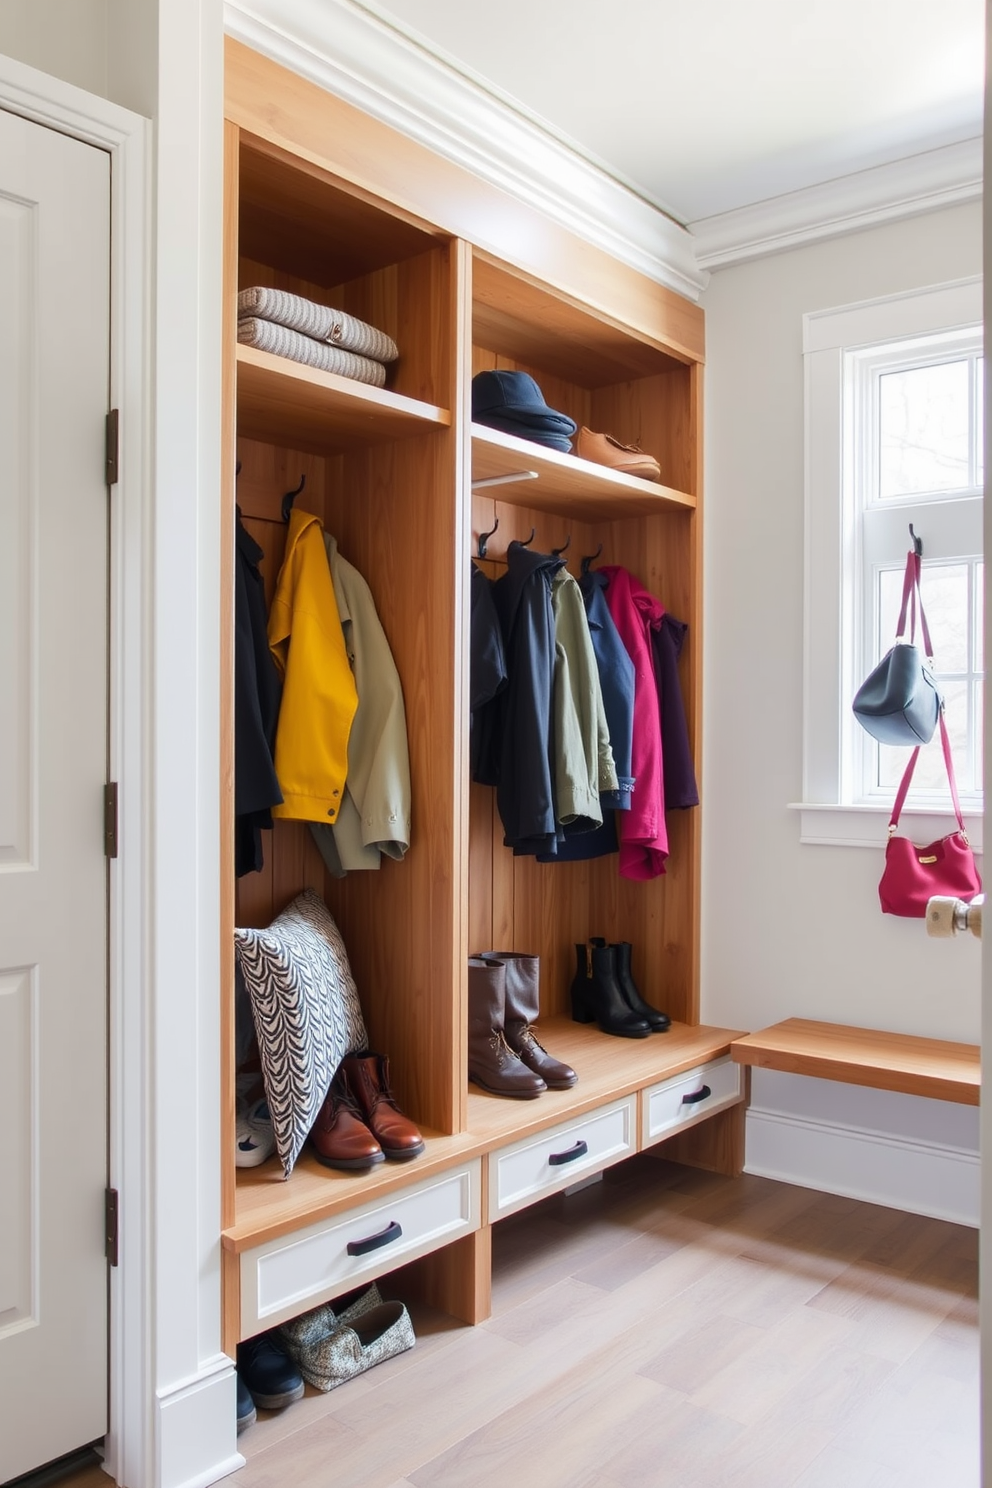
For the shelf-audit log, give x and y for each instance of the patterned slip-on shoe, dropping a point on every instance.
(303, 1332)
(347, 1351)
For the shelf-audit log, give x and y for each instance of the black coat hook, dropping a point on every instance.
(917, 542)
(290, 497)
(484, 538)
(591, 558)
(558, 551)
(522, 544)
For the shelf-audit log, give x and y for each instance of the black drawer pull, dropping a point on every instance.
(697, 1095)
(375, 1242)
(557, 1158)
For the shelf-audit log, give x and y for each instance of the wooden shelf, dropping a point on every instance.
(267, 1205)
(517, 316)
(608, 1068)
(299, 218)
(867, 1056)
(285, 403)
(566, 484)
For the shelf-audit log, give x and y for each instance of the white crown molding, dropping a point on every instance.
(351, 53)
(886, 193)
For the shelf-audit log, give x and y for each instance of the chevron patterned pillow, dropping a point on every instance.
(306, 1010)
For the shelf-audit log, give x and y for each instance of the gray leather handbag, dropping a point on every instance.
(900, 701)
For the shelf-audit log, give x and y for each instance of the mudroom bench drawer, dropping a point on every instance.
(540, 1165)
(286, 1276)
(673, 1104)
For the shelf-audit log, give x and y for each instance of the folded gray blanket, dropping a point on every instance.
(318, 321)
(265, 335)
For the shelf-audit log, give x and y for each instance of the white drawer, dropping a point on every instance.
(284, 1277)
(543, 1164)
(681, 1101)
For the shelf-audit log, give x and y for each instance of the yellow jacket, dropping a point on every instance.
(318, 694)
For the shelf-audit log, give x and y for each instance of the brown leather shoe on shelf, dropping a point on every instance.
(603, 449)
(339, 1136)
(368, 1077)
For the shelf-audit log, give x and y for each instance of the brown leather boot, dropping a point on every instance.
(339, 1136)
(491, 1062)
(522, 1008)
(368, 1076)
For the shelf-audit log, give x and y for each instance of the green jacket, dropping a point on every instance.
(583, 759)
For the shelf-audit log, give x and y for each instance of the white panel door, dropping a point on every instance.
(54, 368)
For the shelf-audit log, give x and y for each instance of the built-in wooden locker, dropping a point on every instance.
(330, 204)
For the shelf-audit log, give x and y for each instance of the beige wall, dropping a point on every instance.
(67, 38)
(794, 930)
(108, 47)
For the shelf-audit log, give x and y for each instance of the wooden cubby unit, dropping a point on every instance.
(327, 203)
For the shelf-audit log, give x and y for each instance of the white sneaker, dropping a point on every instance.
(255, 1139)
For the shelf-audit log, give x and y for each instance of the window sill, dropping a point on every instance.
(823, 825)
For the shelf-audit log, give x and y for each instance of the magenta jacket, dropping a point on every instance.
(642, 830)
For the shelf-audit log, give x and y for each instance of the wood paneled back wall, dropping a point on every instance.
(547, 908)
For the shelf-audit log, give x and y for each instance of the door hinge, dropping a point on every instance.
(111, 1225)
(112, 446)
(110, 819)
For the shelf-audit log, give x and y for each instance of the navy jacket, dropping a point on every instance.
(487, 680)
(257, 692)
(676, 755)
(520, 757)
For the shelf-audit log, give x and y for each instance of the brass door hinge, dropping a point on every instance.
(110, 1233)
(112, 447)
(110, 819)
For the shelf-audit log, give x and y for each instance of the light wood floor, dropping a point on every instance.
(668, 1327)
(671, 1329)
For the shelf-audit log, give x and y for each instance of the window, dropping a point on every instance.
(894, 435)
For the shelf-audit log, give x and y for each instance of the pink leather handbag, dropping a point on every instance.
(913, 874)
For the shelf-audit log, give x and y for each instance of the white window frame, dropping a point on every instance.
(831, 667)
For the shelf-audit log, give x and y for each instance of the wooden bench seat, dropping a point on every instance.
(865, 1056)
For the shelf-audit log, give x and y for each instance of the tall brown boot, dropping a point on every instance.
(523, 976)
(491, 1062)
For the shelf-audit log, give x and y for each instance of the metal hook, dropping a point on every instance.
(591, 559)
(558, 551)
(290, 497)
(522, 544)
(484, 538)
(917, 542)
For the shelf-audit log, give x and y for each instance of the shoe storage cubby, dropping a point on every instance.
(330, 205)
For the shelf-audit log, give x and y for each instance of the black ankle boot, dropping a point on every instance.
(597, 995)
(657, 1021)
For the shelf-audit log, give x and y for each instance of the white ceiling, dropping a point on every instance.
(704, 106)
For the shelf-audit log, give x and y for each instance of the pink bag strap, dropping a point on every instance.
(911, 596)
(906, 780)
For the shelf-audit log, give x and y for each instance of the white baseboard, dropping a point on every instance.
(197, 1428)
(920, 1177)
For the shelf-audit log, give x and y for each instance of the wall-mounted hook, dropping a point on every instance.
(526, 544)
(558, 551)
(484, 538)
(591, 558)
(290, 497)
(917, 542)
(237, 470)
